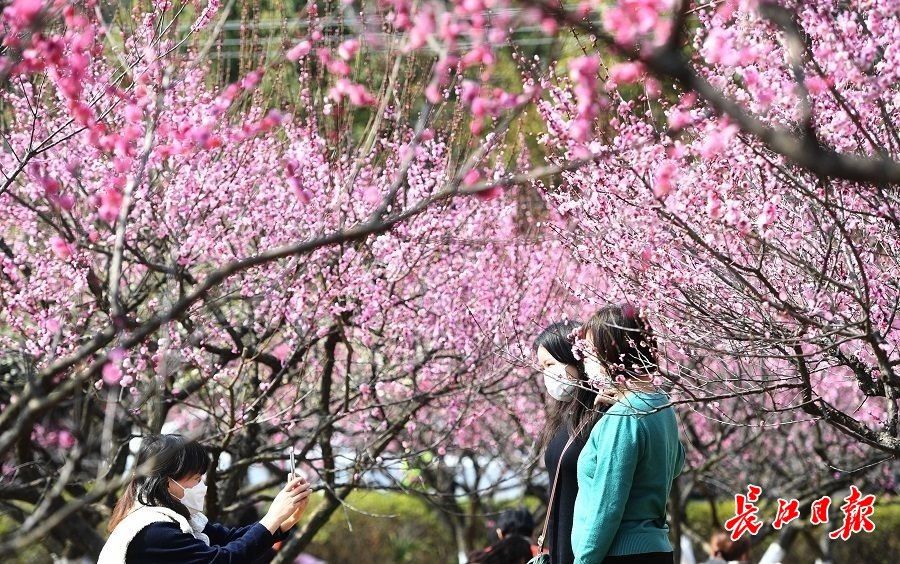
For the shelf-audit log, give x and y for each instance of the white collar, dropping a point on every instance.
(194, 525)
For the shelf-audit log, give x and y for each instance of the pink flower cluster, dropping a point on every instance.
(732, 249)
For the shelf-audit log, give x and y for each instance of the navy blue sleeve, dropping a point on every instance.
(220, 534)
(282, 535)
(164, 542)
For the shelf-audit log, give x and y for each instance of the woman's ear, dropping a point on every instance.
(175, 489)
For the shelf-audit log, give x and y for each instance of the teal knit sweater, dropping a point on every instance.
(625, 472)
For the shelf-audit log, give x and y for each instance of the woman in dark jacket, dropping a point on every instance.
(571, 409)
(160, 516)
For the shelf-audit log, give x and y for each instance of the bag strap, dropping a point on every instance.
(553, 487)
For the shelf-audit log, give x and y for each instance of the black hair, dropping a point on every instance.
(510, 550)
(557, 339)
(518, 521)
(578, 412)
(622, 341)
(160, 458)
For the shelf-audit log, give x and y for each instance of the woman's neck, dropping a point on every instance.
(618, 391)
(636, 385)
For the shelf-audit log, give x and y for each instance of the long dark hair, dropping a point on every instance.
(516, 521)
(164, 457)
(557, 339)
(513, 549)
(622, 340)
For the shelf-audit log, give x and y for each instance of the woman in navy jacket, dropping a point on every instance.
(160, 516)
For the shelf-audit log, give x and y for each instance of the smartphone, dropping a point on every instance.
(293, 464)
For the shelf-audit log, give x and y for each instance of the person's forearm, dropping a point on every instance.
(592, 540)
(592, 549)
(606, 469)
(271, 523)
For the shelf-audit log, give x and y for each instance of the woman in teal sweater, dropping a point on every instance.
(632, 455)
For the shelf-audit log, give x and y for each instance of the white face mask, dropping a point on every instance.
(560, 384)
(194, 497)
(597, 373)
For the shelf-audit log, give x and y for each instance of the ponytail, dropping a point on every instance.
(124, 505)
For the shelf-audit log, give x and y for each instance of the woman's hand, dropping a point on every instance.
(606, 397)
(285, 504)
(306, 488)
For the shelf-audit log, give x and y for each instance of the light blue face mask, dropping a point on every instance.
(559, 383)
